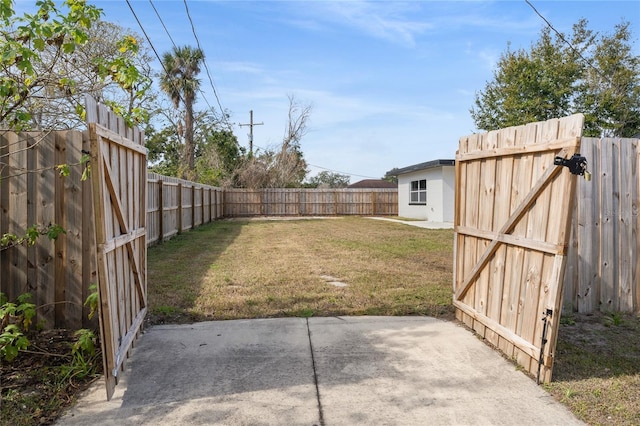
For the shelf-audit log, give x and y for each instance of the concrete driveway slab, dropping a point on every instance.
(318, 371)
(421, 371)
(256, 372)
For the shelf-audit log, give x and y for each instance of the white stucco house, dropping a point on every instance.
(426, 190)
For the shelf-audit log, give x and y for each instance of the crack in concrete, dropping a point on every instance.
(315, 377)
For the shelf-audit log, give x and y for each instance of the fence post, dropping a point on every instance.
(222, 206)
(179, 207)
(193, 206)
(202, 205)
(373, 203)
(210, 206)
(160, 211)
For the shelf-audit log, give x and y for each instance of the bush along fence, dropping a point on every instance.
(602, 267)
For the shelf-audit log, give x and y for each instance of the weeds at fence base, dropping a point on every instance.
(37, 385)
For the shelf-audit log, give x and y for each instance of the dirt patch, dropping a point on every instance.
(593, 330)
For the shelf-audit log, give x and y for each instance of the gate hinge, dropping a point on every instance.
(577, 165)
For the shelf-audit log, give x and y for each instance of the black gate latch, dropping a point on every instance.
(577, 165)
(547, 316)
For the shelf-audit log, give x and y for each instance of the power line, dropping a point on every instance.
(576, 51)
(342, 173)
(215, 92)
(152, 47)
(162, 22)
(224, 118)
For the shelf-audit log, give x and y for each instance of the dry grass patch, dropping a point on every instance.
(257, 269)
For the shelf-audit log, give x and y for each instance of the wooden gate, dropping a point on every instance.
(118, 174)
(512, 221)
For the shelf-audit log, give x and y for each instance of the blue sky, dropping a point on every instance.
(390, 82)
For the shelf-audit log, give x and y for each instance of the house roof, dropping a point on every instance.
(421, 166)
(373, 183)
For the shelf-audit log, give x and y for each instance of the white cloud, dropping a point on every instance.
(389, 21)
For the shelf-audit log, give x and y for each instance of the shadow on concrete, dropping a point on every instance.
(361, 370)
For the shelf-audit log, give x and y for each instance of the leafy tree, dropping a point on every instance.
(49, 62)
(218, 158)
(609, 93)
(164, 150)
(391, 175)
(327, 179)
(216, 153)
(560, 75)
(47, 65)
(179, 81)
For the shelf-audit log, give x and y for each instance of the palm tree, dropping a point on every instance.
(178, 80)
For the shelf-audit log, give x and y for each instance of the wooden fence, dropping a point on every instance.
(311, 202)
(32, 191)
(603, 265)
(175, 205)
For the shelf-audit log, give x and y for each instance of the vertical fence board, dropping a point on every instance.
(45, 203)
(626, 249)
(89, 259)
(73, 226)
(18, 219)
(608, 248)
(6, 139)
(636, 234)
(586, 296)
(61, 242)
(31, 212)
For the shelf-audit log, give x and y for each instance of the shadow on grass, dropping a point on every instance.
(597, 368)
(175, 279)
(597, 346)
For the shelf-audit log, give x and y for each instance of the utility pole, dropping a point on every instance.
(251, 124)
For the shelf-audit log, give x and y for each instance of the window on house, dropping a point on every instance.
(418, 193)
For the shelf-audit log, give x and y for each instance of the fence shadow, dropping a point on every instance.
(179, 285)
(597, 346)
